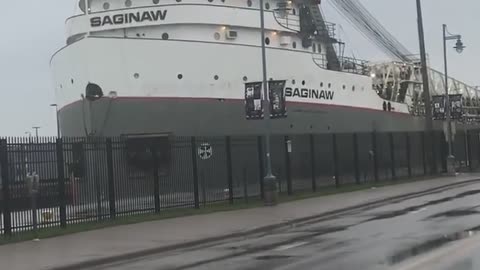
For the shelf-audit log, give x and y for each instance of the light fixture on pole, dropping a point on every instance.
(459, 47)
(269, 181)
(58, 120)
(36, 132)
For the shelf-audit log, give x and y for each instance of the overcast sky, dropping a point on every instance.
(33, 30)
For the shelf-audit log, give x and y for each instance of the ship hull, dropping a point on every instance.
(212, 117)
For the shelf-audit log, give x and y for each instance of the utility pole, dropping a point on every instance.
(36, 132)
(270, 182)
(426, 88)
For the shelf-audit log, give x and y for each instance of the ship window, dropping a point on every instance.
(216, 36)
(314, 48)
(128, 3)
(293, 81)
(179, 1)
(294, 44)
(294, 12)
(321, 84)
(156, 1)
(223, 1)
(344, 87)
(353, 88)
(267, 5)
(319, 48)
(71, 80)
(303, 82)
(329, 85)
(106, 5)
(249, 3)
(215, 77)
(267, 41)
(165, 36)
(245, 78)
(136, 75)
(180, 76)
(210, 1)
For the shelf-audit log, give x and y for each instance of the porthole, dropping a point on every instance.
(321, 84)
(61, 86)
(344, 87)
(293, 81)
(71, 80)
(329, 85)
(223, 1)
(156, 1)
(106, 6)
(128, 3)
(291, 126)
(216, 36)
(294, 44)
(353, 88)
(267, 5)
(178, 1)
(210, 1)
(180, 76)
(249, 3)
(245, 78)
(136, 75)
(267, 41)
(165, 36)
(303, 82)
(215, 77)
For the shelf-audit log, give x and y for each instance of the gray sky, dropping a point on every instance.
(33, 30)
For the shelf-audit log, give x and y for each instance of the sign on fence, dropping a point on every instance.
(205, 151)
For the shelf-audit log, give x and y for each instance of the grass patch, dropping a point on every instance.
(208, 209)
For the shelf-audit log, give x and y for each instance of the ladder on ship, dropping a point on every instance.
(326, 34)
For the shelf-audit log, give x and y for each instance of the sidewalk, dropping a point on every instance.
(116, 241)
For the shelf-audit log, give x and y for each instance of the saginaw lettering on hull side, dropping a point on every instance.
(119, 19)
(309, 93)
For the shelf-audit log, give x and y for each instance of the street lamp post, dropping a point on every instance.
(58, 120)
(459, 47)
(269, 181)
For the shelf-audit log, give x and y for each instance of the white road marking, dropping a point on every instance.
(294, 245)
(419, 210)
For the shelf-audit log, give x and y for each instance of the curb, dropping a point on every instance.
(325, 215)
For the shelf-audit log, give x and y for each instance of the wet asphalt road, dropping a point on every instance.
(385, 237)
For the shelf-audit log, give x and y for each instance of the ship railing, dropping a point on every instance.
(286, 19)
(348, 64)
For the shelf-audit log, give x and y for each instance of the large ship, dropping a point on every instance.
(181, 66)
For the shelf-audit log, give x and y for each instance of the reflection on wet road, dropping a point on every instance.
(385, 237)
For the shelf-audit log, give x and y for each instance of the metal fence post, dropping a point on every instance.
(335, 161)
(392, 155)
(288, 166)
(312, 162)
(7, 219)
(374, 156)
(260, 164)
(156, 177)
(355, 158)
(434, 153)
(111, 180)
(469, 150)
(61, 183)
(228, 144)
(444, 147)
(409, 154)
(195, 173)
(424, 156)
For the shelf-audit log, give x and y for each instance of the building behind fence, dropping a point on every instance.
(93, 179)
